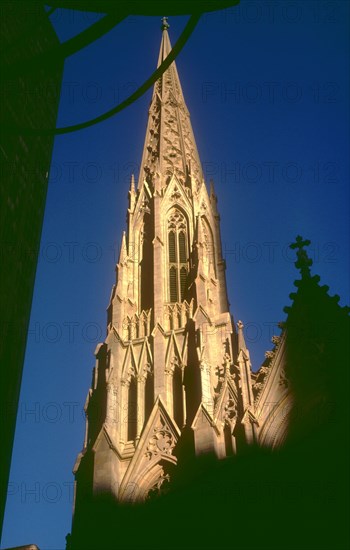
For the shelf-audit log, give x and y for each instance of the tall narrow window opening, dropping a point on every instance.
(146, 263)
(228, 440)
(148, 395)
(132, 409)
(178, 397)
(177, 256)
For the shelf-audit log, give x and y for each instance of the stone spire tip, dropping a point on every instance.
(165, 24)
(241, 340)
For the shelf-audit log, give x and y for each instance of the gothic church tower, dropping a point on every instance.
(173, 378)
(171, 359)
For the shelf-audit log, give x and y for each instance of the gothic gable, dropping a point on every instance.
(155, 447)
(145, 360)
(226, 406)
(273, 400)
(173, 354)
(270, 384)
(203, 419)
(201, 316)
(176, 194)
(129, 368)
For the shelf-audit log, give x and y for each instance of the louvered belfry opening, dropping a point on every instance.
(177, 255)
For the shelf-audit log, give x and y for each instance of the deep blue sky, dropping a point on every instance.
(267, 88)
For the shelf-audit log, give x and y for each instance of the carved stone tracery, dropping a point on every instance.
(175, 195)
(161, 442)
(177, 220)
(230, 411)
(283, 381)
(160, 487)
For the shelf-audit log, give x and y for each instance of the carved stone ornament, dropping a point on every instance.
(264, 370)
(175, 195)
(161, 442)
(147, 369)
(130, 373)
(258, 386)
(111, 388)
(160, 487)
(220, 372)
(145, 202)
(283, 381)
(176, 220)
(132, 370)
(229, 411)
(174, 362)
(226, 363)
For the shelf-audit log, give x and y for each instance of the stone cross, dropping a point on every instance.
(303, 261)
(165, 24)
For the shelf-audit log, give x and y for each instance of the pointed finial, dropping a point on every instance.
(165, 24)
(132, 194)
(303, 261)
(189, 168)
(200, 236)
(212, 196)
(241, 340)
(123, 250)
(212, 190)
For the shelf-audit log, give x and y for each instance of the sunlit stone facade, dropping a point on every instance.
(173, 362)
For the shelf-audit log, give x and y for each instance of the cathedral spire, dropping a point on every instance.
(169, 329)
(165, 46)
(169, 141)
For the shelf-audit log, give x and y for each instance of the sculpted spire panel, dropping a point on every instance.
(170, 147)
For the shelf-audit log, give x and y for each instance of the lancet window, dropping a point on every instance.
(177, 255)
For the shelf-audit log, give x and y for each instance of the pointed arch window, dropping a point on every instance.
(177, 255)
